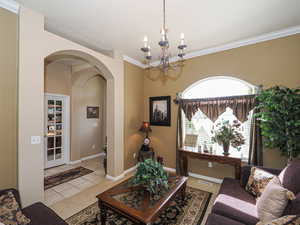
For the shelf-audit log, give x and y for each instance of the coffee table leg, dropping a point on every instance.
(102, 213)
(183, 190)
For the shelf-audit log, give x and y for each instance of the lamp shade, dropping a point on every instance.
(145, 127)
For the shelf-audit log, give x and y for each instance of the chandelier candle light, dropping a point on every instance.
(164, 65)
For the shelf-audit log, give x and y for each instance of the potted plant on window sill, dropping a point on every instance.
(227, 134)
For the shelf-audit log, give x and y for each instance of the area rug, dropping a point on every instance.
(63, 177)
(180, 212)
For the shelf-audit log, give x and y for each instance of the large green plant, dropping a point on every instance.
(280, 119)
(151, 175)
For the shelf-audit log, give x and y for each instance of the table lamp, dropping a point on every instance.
(145, 128)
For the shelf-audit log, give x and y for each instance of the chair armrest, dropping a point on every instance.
(15, 193)
(246, 170)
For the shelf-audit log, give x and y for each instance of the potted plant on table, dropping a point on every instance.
(227, 134)
(151, 175)
(279, 115)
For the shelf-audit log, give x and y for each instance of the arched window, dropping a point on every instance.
(201, 126)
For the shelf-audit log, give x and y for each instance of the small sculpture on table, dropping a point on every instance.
(145, 151)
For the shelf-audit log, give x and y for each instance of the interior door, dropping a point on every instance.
(55, 131)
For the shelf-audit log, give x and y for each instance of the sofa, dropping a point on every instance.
(235, 206)
(38, 213)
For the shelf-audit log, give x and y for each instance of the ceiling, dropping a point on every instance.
(106, 25)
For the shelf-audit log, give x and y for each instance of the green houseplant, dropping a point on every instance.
(279, 114)
(226, 134)
(151, 175)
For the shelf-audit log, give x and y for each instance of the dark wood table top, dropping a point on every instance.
(143, 207)
(192, 151)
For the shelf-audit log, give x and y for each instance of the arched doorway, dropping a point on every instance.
(110, 88)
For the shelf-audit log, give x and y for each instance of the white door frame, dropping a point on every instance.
(67, 139)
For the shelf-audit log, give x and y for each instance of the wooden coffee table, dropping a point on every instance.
(135, 204)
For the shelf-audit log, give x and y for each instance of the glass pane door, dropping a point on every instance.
(54, 131)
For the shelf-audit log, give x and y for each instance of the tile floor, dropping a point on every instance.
(73, 187)
(74, 196)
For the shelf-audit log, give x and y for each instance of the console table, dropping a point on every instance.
(189, 152)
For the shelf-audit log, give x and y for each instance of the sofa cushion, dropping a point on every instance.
(214, 219)
(293, 206)
(284, 220)
(271, 204)
(290, 178)
(235, 203)
(40, 214)
(10, 211)
(258, 180)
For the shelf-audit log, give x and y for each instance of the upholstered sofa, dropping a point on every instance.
(235, 206)
(38, 213)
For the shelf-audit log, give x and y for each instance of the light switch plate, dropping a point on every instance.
(35, 140)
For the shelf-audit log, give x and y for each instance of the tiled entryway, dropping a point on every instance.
(73, 187)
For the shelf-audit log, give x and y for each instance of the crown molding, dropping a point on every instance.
(249, 41)
(10, 5)
(134, 61)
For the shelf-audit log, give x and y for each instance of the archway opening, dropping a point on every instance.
(198, 131)
(75, 123)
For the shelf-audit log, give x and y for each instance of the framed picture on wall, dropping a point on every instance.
(160, 111)
(92, 112)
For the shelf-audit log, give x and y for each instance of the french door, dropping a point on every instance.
(55, 127)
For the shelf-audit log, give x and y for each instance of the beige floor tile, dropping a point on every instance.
(82, 185)
(62, 187)
(70, 192)
(53, 197)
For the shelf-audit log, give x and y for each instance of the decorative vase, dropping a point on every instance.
(226, 148)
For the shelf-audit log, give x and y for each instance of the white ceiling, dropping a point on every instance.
(107, 25)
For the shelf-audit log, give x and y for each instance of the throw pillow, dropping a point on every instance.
(274, 199)
(285, 220)
(10, 212)
(257, 181)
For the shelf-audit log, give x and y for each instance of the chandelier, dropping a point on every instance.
(164, 65)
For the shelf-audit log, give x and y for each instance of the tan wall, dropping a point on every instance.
(86, 88)
(134, 98)
(8, 98)
(92, 133)
(269, 63)
(58, 79)
(32, 53)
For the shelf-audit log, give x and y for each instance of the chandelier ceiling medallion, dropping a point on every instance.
(165, 67)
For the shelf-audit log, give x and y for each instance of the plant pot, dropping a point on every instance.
(226, 149)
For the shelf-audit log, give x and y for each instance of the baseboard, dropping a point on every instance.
(86, 158)
(210, 179)
(74, 162)
(130, 170)
(92, 156)
(115, 178)
(199, 176)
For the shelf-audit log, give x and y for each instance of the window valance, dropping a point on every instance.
(214, 107)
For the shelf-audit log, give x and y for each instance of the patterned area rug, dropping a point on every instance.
(188, 212)
(65, 176)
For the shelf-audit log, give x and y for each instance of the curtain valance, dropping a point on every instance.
(214, 107)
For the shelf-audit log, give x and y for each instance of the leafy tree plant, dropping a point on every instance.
(279, 113)
(151, 175)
